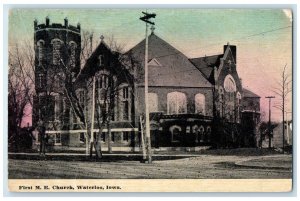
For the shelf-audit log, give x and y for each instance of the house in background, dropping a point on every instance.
(186, 96)
(250, 112)
(278, 135)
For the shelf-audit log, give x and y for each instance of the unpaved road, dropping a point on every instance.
(198, 167)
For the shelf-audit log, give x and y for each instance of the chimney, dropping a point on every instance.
(66, 22)
(233, 50)
(78, 25)
(35, 23)
(47, 21)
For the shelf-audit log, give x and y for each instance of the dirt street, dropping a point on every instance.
(198, 167)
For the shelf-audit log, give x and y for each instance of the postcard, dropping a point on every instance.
(150, 100)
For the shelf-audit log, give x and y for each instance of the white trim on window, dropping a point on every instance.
(171, 129)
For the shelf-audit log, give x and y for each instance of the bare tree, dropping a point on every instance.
(107, 95)
(20, 89)
(62, 81)
(283, 89)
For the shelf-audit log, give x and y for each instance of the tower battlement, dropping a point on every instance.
(47, 25)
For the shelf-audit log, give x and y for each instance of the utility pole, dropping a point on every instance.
(93, 102)
(270, 98)
(146, 18)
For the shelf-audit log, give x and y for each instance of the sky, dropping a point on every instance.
(263, 37)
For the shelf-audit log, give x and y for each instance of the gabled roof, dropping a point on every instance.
(249, 94)
(175, 69)
(206, 65)
(111, 63)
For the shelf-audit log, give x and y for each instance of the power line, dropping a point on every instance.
(237, 40)
(197, 68)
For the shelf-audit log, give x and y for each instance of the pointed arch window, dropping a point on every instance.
(72, 46)
(40, 45)
(124, 93)
(200, 103)
(56, 50)
(229, 84)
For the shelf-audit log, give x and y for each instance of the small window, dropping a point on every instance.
(103, 137)
(57, 138)
(175, 133)
(113, 136)
(72, 46)
(103, 82)
(82, 138)
(125, 110)
(195, 130)
(125, 93)
(40, 45)
(126, 136)
(201, 134)
(101, 61)
(208, 133)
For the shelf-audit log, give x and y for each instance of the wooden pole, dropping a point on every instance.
(270, 97)
(147, 117)
(142, 138)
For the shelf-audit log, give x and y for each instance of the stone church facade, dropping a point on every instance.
(186, 95)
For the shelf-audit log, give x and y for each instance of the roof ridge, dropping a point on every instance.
(206, 56)
(251, 93)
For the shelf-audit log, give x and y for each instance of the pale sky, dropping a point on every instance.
(263, 36)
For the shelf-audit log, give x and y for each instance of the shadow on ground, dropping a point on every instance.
(105, 158)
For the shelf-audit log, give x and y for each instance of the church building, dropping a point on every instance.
(193, 102)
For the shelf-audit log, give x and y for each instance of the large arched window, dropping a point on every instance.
(56, 47)
(200, 104)
(153, 102)
(229, 84)
(176, 103)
